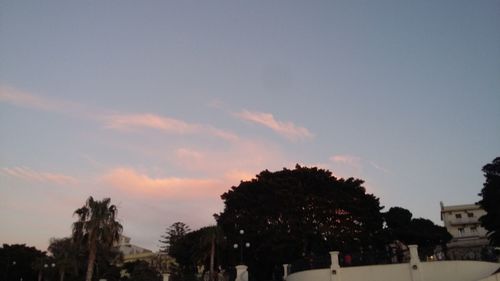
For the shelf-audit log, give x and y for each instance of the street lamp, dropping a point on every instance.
(9, 266)
(241, 245)
(46, 266)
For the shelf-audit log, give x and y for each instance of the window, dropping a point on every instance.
(473, 229)
(458, 216)
(470, 215)
(461, 231)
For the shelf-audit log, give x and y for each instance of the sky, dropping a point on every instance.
(165, 105)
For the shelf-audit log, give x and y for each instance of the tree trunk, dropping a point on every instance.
(212, 259)
(61, 275)
(90, 265)
(40, 275)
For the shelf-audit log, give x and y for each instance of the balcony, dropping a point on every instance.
(462, 221)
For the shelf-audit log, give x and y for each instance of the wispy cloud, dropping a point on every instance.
(132, 181)
(148, 120)
(27, 174)
(113, 121)
(379, 167)
(357, 162)
(131, 122)
(20, 98)
(349, 160)
(286, 129)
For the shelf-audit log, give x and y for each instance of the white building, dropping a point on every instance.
(130, 249)
(469, 237)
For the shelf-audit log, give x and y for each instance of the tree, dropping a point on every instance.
(202, 248)
(96, 227)
(397, 217)
(419, 231)
(173, 233)
(427, 236)
(490, 201)
(292, 213)
(65, 254)
(17, 261)
(140, 271)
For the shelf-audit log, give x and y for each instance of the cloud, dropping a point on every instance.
(286, 129)
(131, 122)
(24, 99)
(251, 156)
(115, 121)
(349, 160)
(148, 120)
(30, 175)
(378, 167)
(357, 162)
(137, 183)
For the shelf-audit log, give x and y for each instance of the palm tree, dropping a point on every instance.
(96, 225)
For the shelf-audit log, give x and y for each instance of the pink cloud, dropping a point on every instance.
(147, 120)
(235, 176)
(287, 129)
(30, 175)
(129, 122)
(24, 99)
(251, 156)
(137, 183)
(119, 121)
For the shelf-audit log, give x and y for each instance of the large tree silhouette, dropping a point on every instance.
(96, 227)
(490, 201)
(305, 211)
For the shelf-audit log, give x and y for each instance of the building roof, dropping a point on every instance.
(464, 207)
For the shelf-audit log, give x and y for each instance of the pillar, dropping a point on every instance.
(335, 266)
(241, 273)
(165, 276)
(285, 271)
(415, 266)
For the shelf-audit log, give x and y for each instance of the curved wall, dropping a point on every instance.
(426, 271)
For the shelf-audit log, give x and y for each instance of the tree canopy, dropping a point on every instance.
(98, 228)
(140, 271)
(490, 201)
(419, 231)
(173, 233)
(19, 261)
(305, 211)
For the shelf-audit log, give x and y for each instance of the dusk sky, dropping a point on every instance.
(164, 105)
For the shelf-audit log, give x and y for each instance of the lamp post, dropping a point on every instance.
(46, 266)
(241, 245)
(9, 266)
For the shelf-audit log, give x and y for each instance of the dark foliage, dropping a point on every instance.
(140, 271)
(173, 233)
(491, 201)
(290, 214)
(418, 231)
(19, 261)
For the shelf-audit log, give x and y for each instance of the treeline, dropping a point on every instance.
(295, 214)
(274, 219)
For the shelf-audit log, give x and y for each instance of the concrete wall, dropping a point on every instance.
(429, 271)
(495, 277)
(457, 270)
(393, 272)
(310, 275)
(412, 271)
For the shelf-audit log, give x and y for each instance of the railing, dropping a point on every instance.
(347, 259)
(311, 262)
